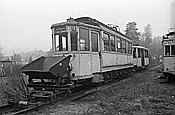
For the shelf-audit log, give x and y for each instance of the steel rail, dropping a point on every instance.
(72, 97)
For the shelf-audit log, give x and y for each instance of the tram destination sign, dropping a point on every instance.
(172, 42)
(60, 30)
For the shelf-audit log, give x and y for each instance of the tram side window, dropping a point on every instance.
(73, 35)
(118, 44)
(106, 42)
(139, 52)
(94, 40)
(61, 42)
(84, 39)
(123, 46)
(173, 50)
(134, 53)
(112, 43)
(130, 48)
(146, 53)
(127, 48)
(167, 50)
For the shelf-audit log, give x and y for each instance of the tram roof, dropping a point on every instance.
(89, 21)
(170, 33)
(141, 47)
(169, 36)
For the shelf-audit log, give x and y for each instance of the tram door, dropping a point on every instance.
(142, 57)
(95, 60)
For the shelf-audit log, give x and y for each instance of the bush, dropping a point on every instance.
(13, 87)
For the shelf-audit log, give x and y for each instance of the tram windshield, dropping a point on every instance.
(61, 42)
(172, 49)
(167, 50)
(73, 35)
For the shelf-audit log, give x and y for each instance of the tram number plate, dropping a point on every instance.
(169, 42)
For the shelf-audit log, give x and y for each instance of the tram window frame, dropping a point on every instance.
(127, 47)
(61, 41)
(130, 48)
(146, 53)
(84, 39)
(106, 42)
(172, 49)
(74, 40)
(167, 50)
(123, 46)
(134, 53)
(94, 42)
(118, 44)
(139, 52)
(112, 42)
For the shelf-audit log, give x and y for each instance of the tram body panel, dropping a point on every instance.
(146, 61)
(169, 64)
(139, 62)
(95, 62)
(122, 59)
(85, 60)
(130, 59)
(109, 59)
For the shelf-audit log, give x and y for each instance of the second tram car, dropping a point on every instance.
(140, 57)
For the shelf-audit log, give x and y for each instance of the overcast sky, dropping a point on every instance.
(25, 24)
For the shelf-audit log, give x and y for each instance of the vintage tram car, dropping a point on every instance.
(85, 50)
(96, 48)
(140, 57)
(168, 44)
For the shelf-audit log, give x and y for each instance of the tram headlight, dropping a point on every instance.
(167, 69)
(73, 75)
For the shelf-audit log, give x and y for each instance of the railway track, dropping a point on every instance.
(8, 108)
(75, 96)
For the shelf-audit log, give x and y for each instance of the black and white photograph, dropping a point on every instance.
(87, 57)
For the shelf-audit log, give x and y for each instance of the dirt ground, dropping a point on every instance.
(140, 94)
